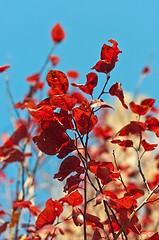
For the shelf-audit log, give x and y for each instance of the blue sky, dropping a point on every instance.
(25, 40)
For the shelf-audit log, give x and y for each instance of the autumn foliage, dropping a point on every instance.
(108, 156)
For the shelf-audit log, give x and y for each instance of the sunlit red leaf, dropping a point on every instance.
(34, 210)
(78, 96)
(56, 205)
(85, 120)
(109, 56)
(40, 113)
(147, 146)
(4, 68)
(90, 84)
(73, 199)
(73, 74)
(103, 66)
(153, 124)
(63, 101)
(134, 127)
(117, 91)
(47, 216)
(69, 165)
(143, 107)
(21, 204)
(57, 33)
(110, 53)
(136, 193)
(123, 143)
(54, 60)
(104, 132)
(58, 81)
(126, 201)
(33, 78)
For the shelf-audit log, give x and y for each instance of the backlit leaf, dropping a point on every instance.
(90, 84)
(57, 33)
(4, 68)
(134, 127)
(58, 81)
(63, 101)
(117, 91)
(85, 121)
(73, 199)
(148, 146)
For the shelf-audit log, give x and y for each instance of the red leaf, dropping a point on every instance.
(146, 70)
(110, 54)
(56, 205)
(73, 74)
(153, 125)
(136, 193)
(147, 146)
(63, 101)
(51, 138)
(69, 165)
(105, 132)
(73, 182)
(123, 143)
(143, 107)
(126, 202)
(4, 68)
(103, 66)
(33, 78)
(54, 60)
(34, 210)
(117, 91)
(47, 216)
(90, 84)
(58, 81)
(3, 227)
(133, 127)
(8, 155)
(85, 121)
(57, 33)
(73, 199)
(95, 221)
(104, 171)
(21, 204)
(19, 134)
(97, 235)
(78, 96)
(154, 236)
(66, 148)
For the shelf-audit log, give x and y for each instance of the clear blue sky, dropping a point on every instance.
(25, 40)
